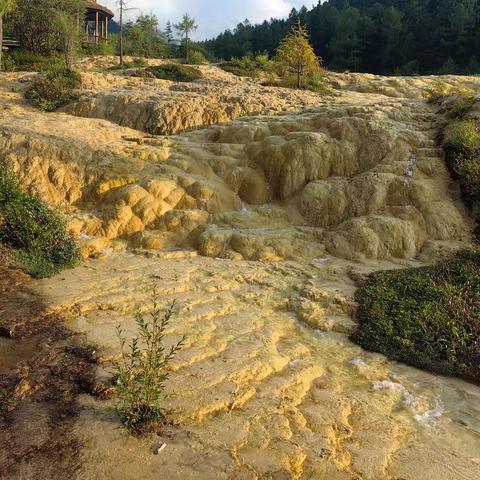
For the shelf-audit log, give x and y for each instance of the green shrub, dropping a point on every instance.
(462, 136)
(249, 66)
(101, 48)
(55, 89)
(437, 91)
(142, 371)
(171, 71)
(197, 58)
(314, 83)
(461, 103)
(34, 230)
(468, 170)
(24, 61)
(138, 62)
(428, 317)
(8, 63)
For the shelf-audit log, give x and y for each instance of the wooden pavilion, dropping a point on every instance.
(96, 23)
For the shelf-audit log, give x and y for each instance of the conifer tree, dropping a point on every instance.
(184, 28)
(296, 55)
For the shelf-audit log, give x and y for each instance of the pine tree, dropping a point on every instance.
(296, 55)
(184, 28)
(169, 33)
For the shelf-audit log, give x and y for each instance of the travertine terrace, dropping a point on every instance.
(257, 223)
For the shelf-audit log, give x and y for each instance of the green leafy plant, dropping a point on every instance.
(463, 136)
(428, 317)
(171, 71)
(35, 231)
(142, 371)
(55, 89)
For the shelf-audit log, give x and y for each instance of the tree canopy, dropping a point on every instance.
(382, 36)
(144, 38)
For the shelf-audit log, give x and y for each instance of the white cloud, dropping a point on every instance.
(213, 16)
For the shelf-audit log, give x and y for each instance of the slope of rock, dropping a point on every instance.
(267, 386)
(258, 394)
(163, 107)
(356, 177)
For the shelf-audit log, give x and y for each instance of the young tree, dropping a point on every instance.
(296, 55)
(6, 6)
(169, 33)
(67, 18)
(184, 28)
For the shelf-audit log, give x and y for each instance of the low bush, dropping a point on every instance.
(249, 66)
(314, 83)
(171, 71)
(463, 136)
(468, 170)
(55, 89)
(437, 91)
(24, 61)
(428, 317)
(460, 103)
(142, 370)
(197, 58)
(37, 232)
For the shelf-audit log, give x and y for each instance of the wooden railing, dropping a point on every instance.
(10, 43)
(89, 39)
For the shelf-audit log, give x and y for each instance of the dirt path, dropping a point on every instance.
(42, 368)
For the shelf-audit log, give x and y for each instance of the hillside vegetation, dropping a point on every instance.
(36, 232)
(385, 36)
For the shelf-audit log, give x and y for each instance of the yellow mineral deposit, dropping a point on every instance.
(256, 226)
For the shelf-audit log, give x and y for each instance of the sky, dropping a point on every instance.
(212, 16)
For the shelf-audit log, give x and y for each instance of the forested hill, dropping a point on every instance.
(383, 36)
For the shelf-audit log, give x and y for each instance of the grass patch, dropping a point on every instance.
(428, 317)
(171, 71)
(33, 230)
(55, 89)
(143, 370)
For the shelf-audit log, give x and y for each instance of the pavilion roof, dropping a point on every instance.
(96, 6)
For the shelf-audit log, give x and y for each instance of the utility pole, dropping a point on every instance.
(123, 7)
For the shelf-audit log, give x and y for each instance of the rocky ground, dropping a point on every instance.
(258, 227)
